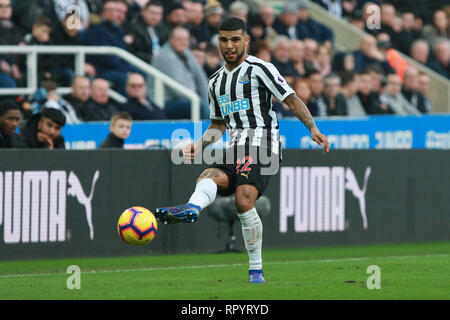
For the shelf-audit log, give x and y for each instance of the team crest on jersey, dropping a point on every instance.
(244, 79)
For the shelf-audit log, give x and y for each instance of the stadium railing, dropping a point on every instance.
(160, 79)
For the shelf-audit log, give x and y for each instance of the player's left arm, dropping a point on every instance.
(302, 113)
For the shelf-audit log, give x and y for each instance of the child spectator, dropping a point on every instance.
(120, 129)
(40, 35)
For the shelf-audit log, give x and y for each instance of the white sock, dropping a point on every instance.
(252, 230)
(204, 194)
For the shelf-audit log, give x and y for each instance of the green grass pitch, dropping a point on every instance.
(407, 271)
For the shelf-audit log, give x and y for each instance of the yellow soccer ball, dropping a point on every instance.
(137, 226)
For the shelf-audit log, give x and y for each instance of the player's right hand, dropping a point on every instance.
(189, 152)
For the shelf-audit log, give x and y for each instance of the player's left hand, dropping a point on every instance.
(321, 139)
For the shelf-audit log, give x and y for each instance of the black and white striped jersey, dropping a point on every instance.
(243, 99)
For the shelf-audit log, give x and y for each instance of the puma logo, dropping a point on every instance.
(76, 190)
(245, 175)
(359, 193)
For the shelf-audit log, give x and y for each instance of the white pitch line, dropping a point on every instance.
(24, 275)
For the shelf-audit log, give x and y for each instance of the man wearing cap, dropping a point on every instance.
(175, 15)
(43, 130)
(213, 14)
(286, 23)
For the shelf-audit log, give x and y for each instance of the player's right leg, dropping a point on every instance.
(205, 193)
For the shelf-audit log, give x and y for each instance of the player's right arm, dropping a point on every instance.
(214, 132)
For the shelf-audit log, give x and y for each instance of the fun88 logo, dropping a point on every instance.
(227, 107)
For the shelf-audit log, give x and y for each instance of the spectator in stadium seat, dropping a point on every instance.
(439, 28)
(334, 99)
(394, 99)
(174, 17)
(393, 57)
(194, 17)
(99, 107)
(369, 98)
(410, 92)
(212, 60)
(145, 30)
(110, 33)
(261, 50)
(316, 81)
(9, 121)
(177, 61)
(9, 35)
(349, 88)
(323, 59)
(286, 23)
(369, 54)
(43, 130)
(53, 100)
(213, 14)
(25, 12)
(343, 62)
(334, 8)
(78, 98)
(120, 129)
(442, 53)
(309, 28)
(423, 86)
(267, 13)
(296, 57)
(138, 105)
(40, 35)
(239, 10)
(256, 29)
(311, 46)
(303, 89)
(280, 58)
(420, 51)
(63, 65)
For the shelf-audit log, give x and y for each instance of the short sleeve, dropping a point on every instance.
(274, 81)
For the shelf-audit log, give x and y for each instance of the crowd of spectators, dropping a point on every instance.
(178, 38)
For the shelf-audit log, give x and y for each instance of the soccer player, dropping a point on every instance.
(240, 99)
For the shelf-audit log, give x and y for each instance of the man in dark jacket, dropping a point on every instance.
(138, 105)
(109, 33)
(99, 107)
(9, 120)
(43, 130)
(145, 30)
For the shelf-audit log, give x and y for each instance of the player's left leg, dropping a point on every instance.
(252, 229)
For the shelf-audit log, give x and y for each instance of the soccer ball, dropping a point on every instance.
(137, 226)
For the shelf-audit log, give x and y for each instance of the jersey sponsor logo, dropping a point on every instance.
(315, 197)
(33, 205)
(228, 107)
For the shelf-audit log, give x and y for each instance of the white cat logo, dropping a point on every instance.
(76, 190)
(360, 193)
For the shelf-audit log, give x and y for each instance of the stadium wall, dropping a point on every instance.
(373, 132)
(67, 203)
